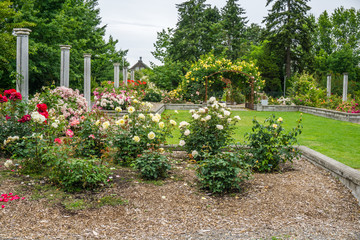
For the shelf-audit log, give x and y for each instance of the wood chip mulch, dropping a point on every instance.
(301, 202)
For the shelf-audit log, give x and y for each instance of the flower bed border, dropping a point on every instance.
(336, 115)
(348, 176)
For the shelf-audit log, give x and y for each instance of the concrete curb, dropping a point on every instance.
(347, 175)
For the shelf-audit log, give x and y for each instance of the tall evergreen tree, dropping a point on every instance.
(289, 24)
(194, 31)
(234, 27)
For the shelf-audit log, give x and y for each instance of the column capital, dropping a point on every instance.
(87, 55)
(65, 47)
(22, 31)
(116, 64)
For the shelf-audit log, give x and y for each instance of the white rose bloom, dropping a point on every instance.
(220, 116)
(194, 153)
(161, 125)
(222, 105)
(118, 109)
(187, 132)
(237, 118)
(97, 123)
(106, 124)
(151, 135)
(182, 143)
(220, 127)
(208, 117)
(201, 110)
(172, 122)
(192, 111)
(8, 164)
(183, 124)
(54, 125)
(229, 120)
(196, 116)
(212, 99)
(141, 116)
(136, 139)
(155, 119)
(131, 109)
(227, 113)
(203, 119)
(158, 116)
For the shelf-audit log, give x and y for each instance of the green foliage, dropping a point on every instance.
(152, 165)
(91, 141)
(270, 145)
(222, 172)
(152, 96)
(78, 174)
(209, 131)
(167, 76)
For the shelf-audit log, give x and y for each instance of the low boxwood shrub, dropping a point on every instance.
(223, 172)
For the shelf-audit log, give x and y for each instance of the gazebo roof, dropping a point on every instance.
(139, 64)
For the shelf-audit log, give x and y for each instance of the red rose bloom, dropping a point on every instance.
(41, 107)
(25, 118)
(9, 92)
(3, 98)
(15, 96)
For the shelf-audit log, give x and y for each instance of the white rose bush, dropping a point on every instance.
(209, 131)
(204, 138)
(139, 131)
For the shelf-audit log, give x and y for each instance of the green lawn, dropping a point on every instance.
(336, 139)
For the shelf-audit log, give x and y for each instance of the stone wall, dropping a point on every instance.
(336, 115)
(347, 175)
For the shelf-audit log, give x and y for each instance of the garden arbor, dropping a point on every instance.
(249, 94)
(210, 75)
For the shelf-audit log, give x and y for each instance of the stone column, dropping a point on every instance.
(328, 85)
(125, 73)
(65, 65)
(22, 61)
(132, 75)
(87, 79)
(116, 74)
(345, 87)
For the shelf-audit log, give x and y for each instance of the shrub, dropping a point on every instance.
(270, 145)
(209, 130)
(78, 174)
(139, 131)
(152, 165)
(61, 101)
(222, 172)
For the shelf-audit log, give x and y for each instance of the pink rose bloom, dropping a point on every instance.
(92, 136)
(69, 133)
(57, 140)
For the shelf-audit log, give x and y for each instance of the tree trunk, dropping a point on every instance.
(288, 62)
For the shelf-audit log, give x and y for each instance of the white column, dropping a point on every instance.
(345, 87)
(132, 75)
(65, 65)
(87, 79)
(116, 74)
(22, 61)
(328, 85)
(125, 73)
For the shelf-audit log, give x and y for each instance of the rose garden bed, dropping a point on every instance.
(300, 202)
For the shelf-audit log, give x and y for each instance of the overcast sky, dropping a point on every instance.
(135, 23)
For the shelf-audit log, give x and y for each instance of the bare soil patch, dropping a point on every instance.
(302, 202)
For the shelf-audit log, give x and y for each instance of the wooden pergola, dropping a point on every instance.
(251, 82)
